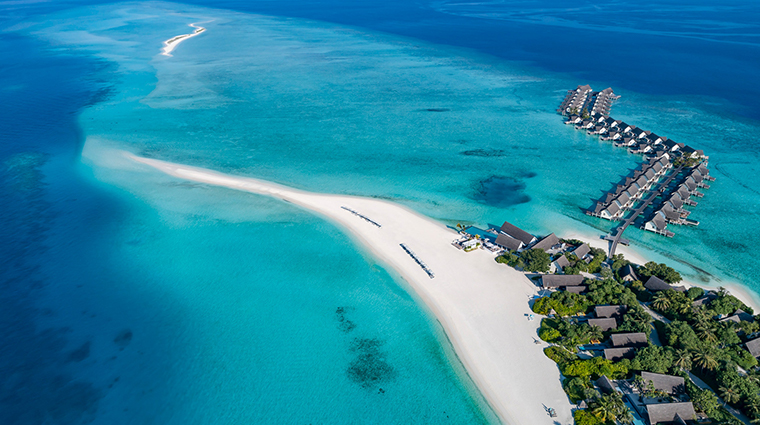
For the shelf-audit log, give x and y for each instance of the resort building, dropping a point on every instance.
(575, 100)
(517, 233)
(677, 413)
(627, 273)
(605, 324)
(509, 243)
(606, 311)
(562, 280)
(548, 243)
(635, 339)
(656, 284)
(738, 316)
(672, 385)
(616, 354)
(560, 263)
(753, 347)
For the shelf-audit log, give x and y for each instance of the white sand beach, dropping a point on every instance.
(482, 305)
(172, 43)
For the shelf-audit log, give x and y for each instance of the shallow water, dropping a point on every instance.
(153, 300)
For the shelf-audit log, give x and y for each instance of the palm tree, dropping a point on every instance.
(705, 358)
(682, 359)
(729, 394)
(661, 301)
(611, 408)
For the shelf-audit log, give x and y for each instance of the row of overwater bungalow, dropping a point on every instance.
(583, 100)
(625, 194)
(670, 210)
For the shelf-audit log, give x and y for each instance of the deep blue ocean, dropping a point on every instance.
(129, 297)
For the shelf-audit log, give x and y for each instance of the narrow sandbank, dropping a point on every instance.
(482, 305)
(172, 43)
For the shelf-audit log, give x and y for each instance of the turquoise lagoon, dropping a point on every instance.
(181, 303)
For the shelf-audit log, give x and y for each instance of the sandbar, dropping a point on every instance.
(482, 306)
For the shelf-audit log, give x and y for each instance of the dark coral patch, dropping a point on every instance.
(370, 366)
(501, 192)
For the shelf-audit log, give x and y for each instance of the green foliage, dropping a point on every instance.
(695, 292)
(536, 260)
(610, 408)
(585, 417)
(563, 303)
(559, 355)
(704, 400)
(594, 368)
(618, 262)
(608, 291)
(636, 319)
(680, 334)
(653, 359)
(661, 270)
(728, 304)
(510, 258)
(579, 389)
(549, 334)
(599, 256)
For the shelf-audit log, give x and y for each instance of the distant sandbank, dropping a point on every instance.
(172, 43)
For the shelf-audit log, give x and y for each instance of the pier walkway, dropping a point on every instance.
(632, 217)
(417, 260)
(369, 220)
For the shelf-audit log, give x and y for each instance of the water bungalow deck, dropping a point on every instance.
(588, 110)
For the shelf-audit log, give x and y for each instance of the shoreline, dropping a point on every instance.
(744, 295)
(172, 43)
(481, 305)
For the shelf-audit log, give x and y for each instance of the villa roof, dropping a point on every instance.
(557, 280)
(613, 208)
(656, 284)
(667, 383)
(575, 289)
(547, 242)
(704, 299)
(605, 384)
(582, 250)
(627, 273)
(632, 339)
(753, 347)
(670, 412)
(508, 242)
(603, 311)
(517, 233)
(738, 316)
(619, 353)
(604, 324)
(562, 262)
(659, 221)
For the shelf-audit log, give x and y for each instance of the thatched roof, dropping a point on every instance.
(547, 243)
(508, 242)
(517, 233)
(670, 412)
(656, 284)
(557, 280)
(667, 383)
(619, 353)
(633, 339)
(602, 311)
(605, 324)
(753, 347)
